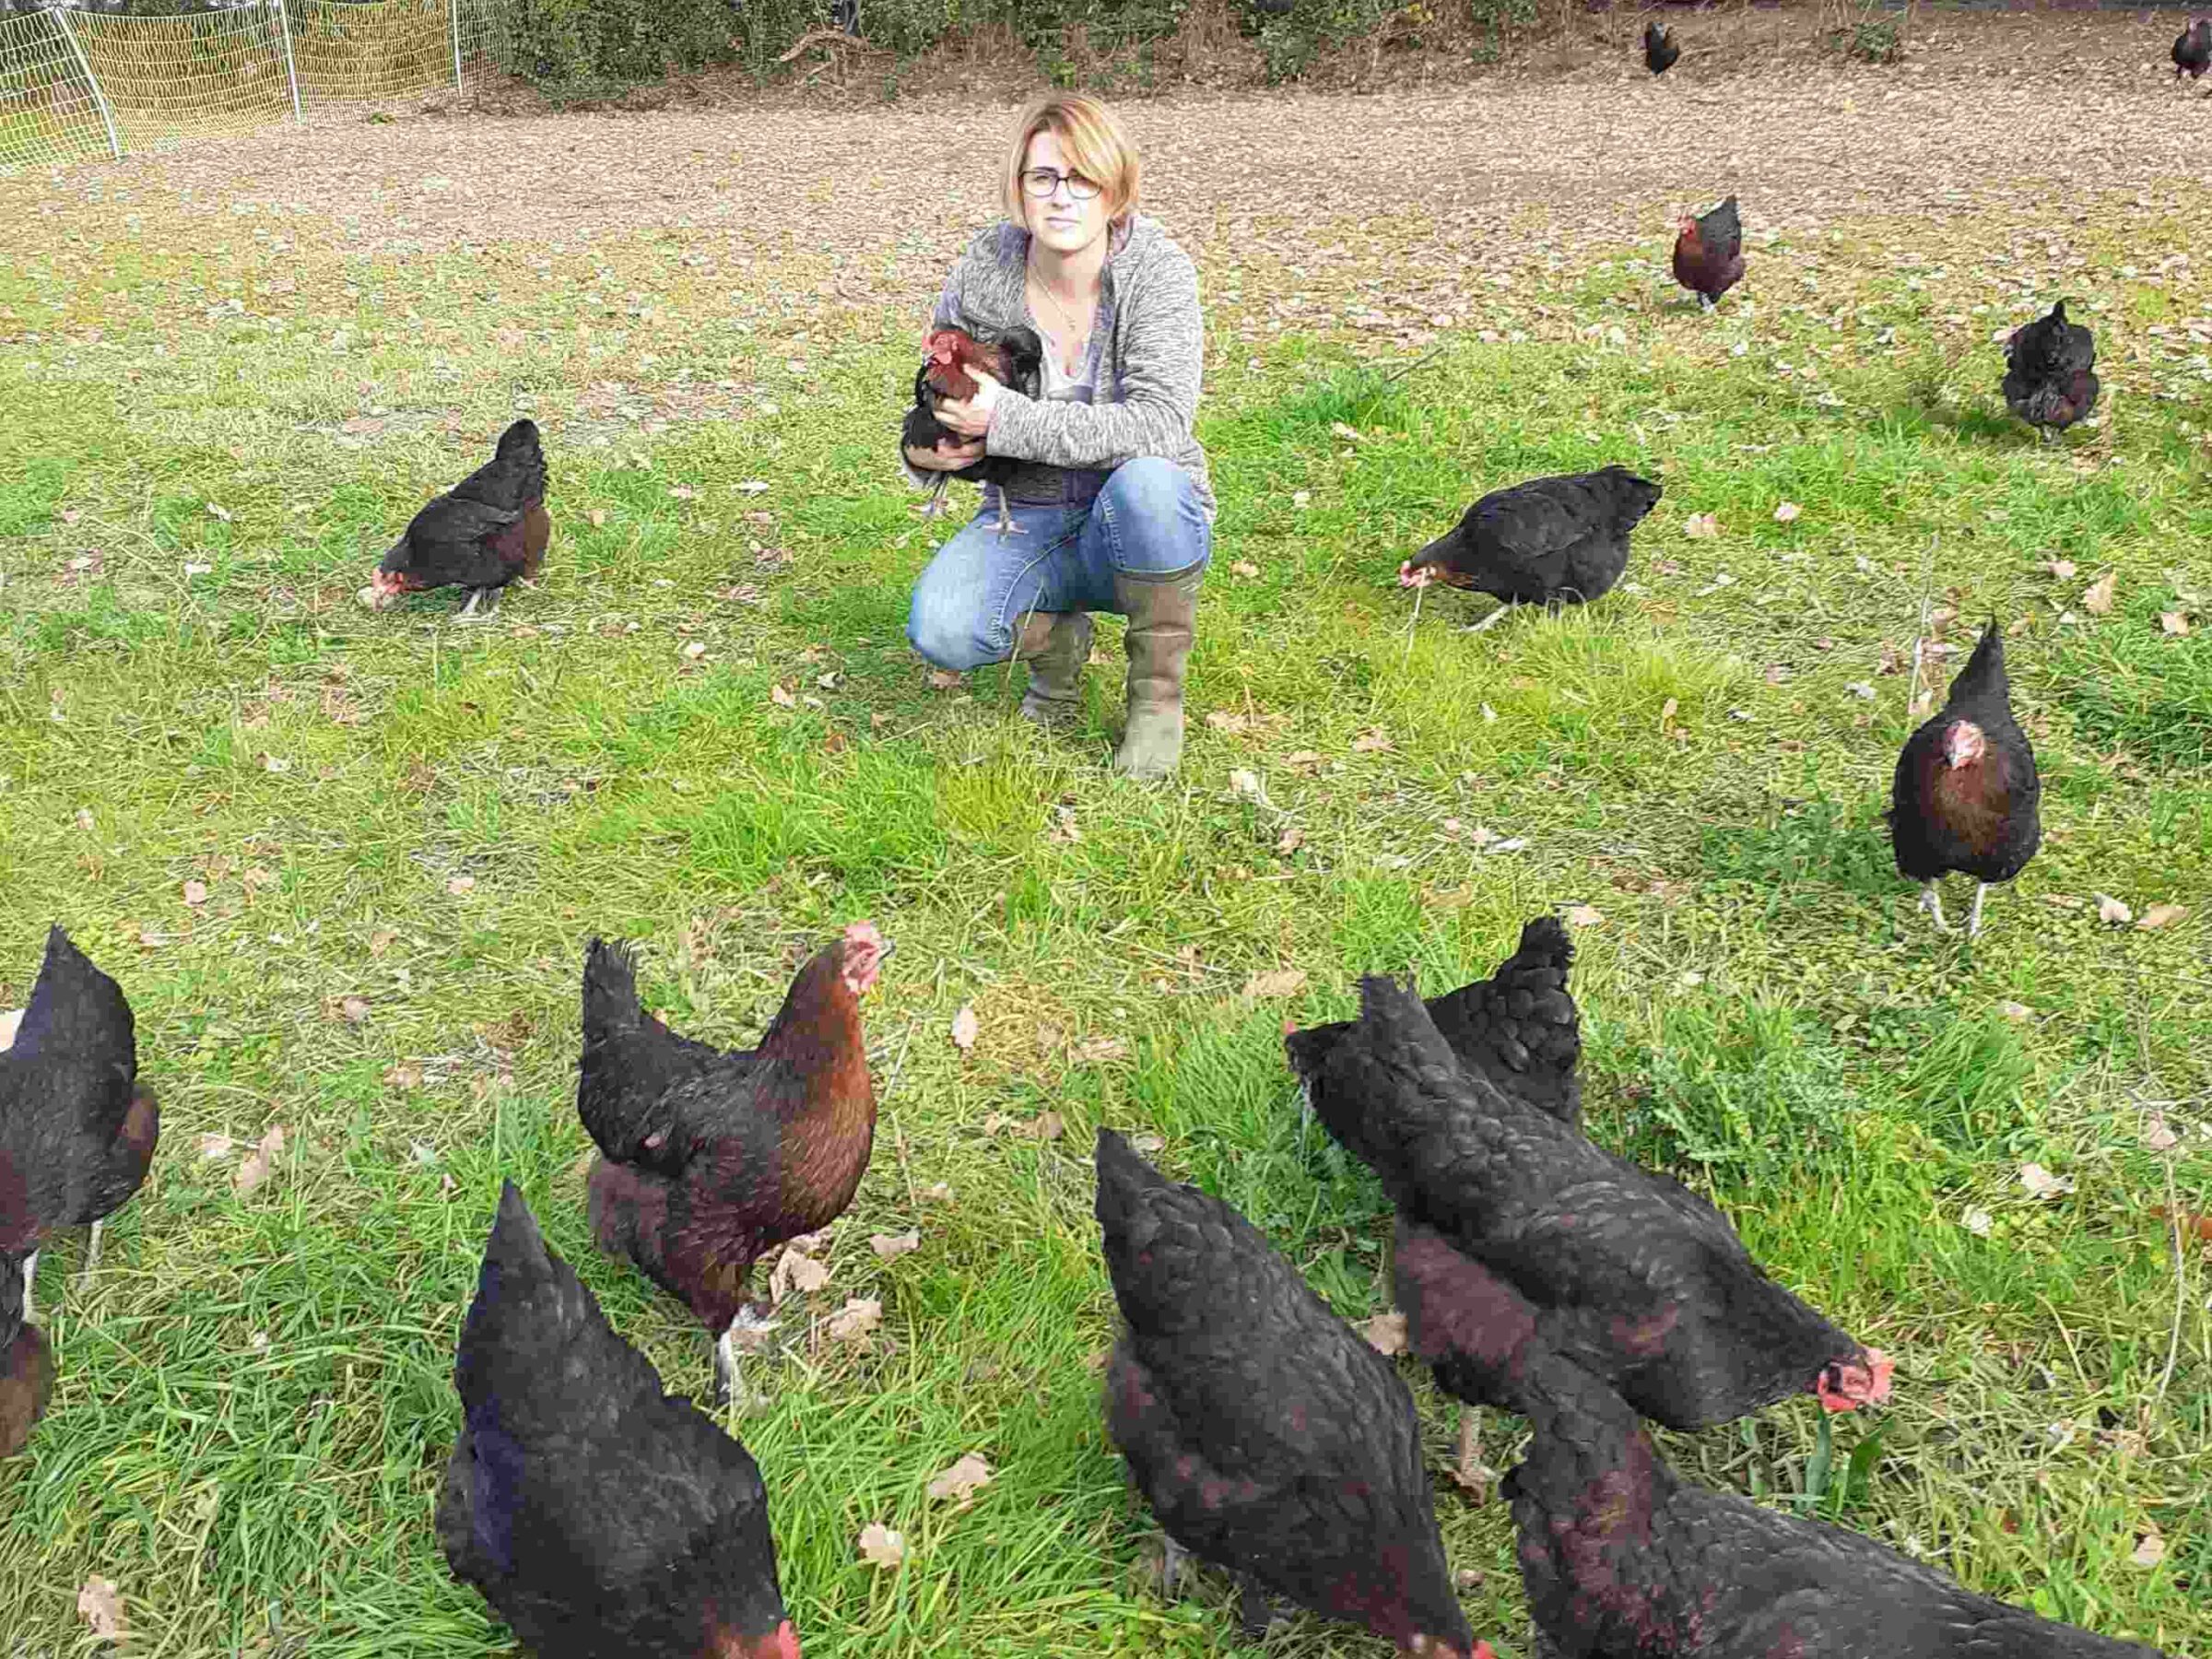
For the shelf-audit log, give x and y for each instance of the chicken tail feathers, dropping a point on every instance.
(1983, 678)
(75, 1007)
(1125, 1181)
(610, 990)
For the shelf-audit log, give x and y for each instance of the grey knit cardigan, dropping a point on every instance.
(1150, 363)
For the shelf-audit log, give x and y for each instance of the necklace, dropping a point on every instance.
(1077, 337)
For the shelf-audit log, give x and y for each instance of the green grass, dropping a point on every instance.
(255, 1404)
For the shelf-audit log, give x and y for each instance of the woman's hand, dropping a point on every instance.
(947, 457)
(972, 418)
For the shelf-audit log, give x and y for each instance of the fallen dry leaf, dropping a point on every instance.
(2061, 568)
(1244, 782)
(1701, 527)
(2173, 622)
(2159, 1135)
(215, 1147)
(880, 1546)
(1374, 740)
(938, 1193)
(99, 1604)
(253, 1169)
(354, 1009)
(1583, 915)
(2157, 915)
(2015, 1012)
(1385, 1332)
(407, 1073)
(2042, 1184)
(965, 1027)
(1786, 512)
(1244, 567)
(2110, 908)
(782, 699)
(795, 1271)
(891, 1246)
(2151, 1552)
(962, 1481)
(2099, 599)
(942, 679)
(460, 885)
(381, 941)
(598, 518)
(1978, 1222)
(1045, 1127)
(1279, 981)
(1222, 720)
(859, 1316)
(1102, 1048)
(195, 892)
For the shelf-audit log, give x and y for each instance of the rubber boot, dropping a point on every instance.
(1055, 644)
(1163, 614)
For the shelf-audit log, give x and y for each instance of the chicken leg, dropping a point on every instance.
(729, 1393)
(1255, 1613)
(1930, 900)
(1007, 526)
(1490, 621)
(1974, 920)
(91, 1257)
(1171, 1558)
(490, 598)
(30, 1273)
(1470, 1471)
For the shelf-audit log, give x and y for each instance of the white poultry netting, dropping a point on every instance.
(77, 83)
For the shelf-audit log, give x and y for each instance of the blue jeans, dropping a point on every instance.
(968, 605)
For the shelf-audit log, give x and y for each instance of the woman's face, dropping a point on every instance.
(1061, 221)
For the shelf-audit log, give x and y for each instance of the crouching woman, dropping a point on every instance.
(1110, 509)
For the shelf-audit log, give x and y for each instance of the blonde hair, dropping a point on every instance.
(1095, 143)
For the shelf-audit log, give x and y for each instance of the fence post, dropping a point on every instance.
(452, 10)
(291, 75)
(61, 16)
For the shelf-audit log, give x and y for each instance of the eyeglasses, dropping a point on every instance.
(1041, 182)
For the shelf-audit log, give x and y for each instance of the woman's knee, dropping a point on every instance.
(1158, 524)
(950, 633)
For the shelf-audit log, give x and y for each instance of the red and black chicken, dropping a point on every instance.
(1265, 1433)
(597, 1513)
(1708, 252)
(709, 1160)
(483, 532)
(1016, 361)
(77, 1131)
(1966, 792)
(1551, 541)
(2050, 372)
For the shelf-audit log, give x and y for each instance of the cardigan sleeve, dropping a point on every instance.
(1162, 360)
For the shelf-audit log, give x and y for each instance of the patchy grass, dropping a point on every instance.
(211, 422)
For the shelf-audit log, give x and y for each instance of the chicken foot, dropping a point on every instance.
(1930, 900)
(91, 1257)
(491, 606)
(1256, 1614)
(1007, 526)
(1495, 616)
(729, 1391)
(1974, 920)
(1172, 1556)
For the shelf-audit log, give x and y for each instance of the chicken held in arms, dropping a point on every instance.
(2193, 49)
(709, 1160)
(1630, 1273)
(1519, 1027)
(1265, 1433)
(597, 1513)
(2050, 379)
(1551, 541)
(1016, 362)
(1659, 50)
(1966, 792)
(1623, 1559)
(483, 532)
(1708, 252)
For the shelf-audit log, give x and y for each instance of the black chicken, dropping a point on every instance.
(597, 1513)
(1621, 1559)
(1267, 1436)
(1016, 361)
(1632, 1274)
(1966, 791)
(2049, 372)
(1559, 541)
(2193, 49)
(481, 534)
(1708, 252)
(709, 1160)
(78, 1130)
(1659, 48)
(1518, 1028)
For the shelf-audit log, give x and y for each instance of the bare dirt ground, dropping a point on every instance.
(2033, 117)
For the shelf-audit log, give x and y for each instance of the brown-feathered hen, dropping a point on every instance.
(1708, 252)
(1632, 1274)
(2193, 49)
(1519, 1027)
(2049, 372)
(1267, 1436)
(710, 1158)
(1016, 362)
(1622, 1558)
(1659, 48)
(78, 1130)
(597, 1513)
(1966, 791)
(481, 534)
(1552, 541)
